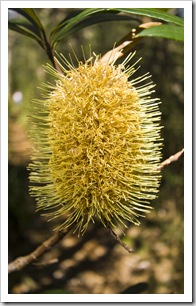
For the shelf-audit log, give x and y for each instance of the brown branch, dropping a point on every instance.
(21, 262)
(171, 159)
(117, 238)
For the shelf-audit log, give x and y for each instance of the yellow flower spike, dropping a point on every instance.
(97, 145)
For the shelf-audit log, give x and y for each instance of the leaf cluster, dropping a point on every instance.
(28, 23)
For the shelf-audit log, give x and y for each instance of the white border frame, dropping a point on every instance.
(187, 296)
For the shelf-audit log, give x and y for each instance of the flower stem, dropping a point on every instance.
(117, 238)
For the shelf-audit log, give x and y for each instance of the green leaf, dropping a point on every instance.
(77, 22)
(31, 27)
(30, 12)
(154, 13)
(30, 15)
(164, 31)
(64, 29)
(24, 29)
(67, 27)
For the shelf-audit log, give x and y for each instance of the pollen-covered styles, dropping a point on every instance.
(97, 144)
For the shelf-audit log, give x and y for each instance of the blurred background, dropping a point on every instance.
(95, 262)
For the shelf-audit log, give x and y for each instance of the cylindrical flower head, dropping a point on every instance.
(97, 145)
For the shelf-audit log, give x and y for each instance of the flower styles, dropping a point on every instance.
(97, 145)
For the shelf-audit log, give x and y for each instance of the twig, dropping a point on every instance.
(117, 238)
(21, 262)
(171, 159)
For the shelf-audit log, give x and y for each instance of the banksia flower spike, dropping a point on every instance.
(97, 144)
